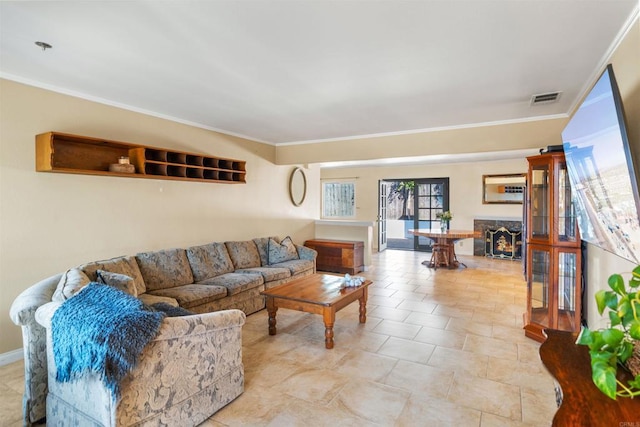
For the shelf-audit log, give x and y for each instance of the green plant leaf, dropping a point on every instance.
(585, 337)
(611, 300)
(604, 377)
(601, 296)
(634, 282)
(625, 312)
(606, 357)
(614, 318)
(596, 341)
(616, 283)
(634, 330)
(612, 337)
(625, 351)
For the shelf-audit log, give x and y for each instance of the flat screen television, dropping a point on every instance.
(601, 171)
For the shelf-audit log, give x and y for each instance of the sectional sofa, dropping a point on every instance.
(202, 279)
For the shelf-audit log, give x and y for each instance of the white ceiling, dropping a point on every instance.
(292, 71)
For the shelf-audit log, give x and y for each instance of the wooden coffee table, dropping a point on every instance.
(319, 294)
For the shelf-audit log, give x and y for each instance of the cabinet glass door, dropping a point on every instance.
(567, 272)
(539, 287)
(540, 201)
(567, 230)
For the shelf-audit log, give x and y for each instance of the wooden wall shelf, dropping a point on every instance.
(65, 153)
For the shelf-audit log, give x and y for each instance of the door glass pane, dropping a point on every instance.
(566, 211)
(540, 287)
(430, 202)
(431, 198)
(540, 201)
(567, 291)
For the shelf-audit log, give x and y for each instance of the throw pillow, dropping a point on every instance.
(164, 269)
(283, 251)
(118, 281)
(70, 284)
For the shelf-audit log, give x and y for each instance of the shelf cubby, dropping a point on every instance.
(156, 155)
(66, 153)
(195, 160)
(173, 157)
(155, 169)
(210, 174)
(173, 170)
(210, 162)
(195, 173)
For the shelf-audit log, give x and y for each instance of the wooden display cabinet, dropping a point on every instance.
(554, 261)
(65, 153)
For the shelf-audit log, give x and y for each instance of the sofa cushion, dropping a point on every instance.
(192, 295)
(70, 284)
(243, 254)
(118, 281)
(126, 265)
(296, 266)
(165, 269)
(235, 282)
(209, 261)
(282, 251)
(269, 274)
(149, 299)
(262, 243)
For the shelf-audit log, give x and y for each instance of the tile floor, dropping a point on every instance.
(439, 348)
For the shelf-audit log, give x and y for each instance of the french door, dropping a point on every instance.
(431, 198)
(405, 204)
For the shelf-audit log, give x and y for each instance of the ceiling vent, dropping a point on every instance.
(545, 98)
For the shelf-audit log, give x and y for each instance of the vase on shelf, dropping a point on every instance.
(443, 226)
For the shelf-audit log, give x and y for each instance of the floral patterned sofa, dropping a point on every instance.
(202, 279)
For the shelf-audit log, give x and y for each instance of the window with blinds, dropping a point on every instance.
(338, 199)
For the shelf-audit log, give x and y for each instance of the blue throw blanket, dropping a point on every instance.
(101, 330)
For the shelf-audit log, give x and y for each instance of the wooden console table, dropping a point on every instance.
(338, 256)
(582, 403)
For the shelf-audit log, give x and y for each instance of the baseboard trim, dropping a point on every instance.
(11, 356)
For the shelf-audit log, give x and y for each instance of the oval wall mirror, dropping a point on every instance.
(297, 186)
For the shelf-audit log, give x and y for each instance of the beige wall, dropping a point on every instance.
(512, 136)
(50, 222)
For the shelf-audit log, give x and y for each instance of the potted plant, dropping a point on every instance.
(444, 218)
(619, 344)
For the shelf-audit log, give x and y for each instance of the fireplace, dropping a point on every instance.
(482, 225)
(503, 243)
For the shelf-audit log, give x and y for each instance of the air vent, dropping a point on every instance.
(545, 98)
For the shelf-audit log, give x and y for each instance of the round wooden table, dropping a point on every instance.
(447, 239)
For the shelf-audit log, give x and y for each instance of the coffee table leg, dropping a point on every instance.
(363, 307)
(329, 317)
(272, 308)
